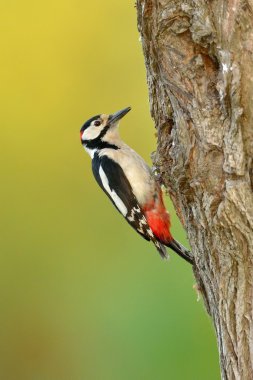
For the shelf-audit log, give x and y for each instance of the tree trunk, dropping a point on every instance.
(199, 61)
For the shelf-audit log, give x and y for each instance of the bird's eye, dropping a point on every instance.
(97, 123)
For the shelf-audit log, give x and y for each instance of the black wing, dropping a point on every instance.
(115, 184)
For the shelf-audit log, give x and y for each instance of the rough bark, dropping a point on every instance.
(199, 61)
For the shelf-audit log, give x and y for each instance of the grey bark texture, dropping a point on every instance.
(199, 62)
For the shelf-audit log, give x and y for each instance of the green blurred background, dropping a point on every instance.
(82, 295)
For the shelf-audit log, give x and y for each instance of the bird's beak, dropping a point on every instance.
(118, 115)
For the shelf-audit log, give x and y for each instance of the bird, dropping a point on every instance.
(129, 183)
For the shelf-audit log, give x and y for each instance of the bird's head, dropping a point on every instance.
(99, 127)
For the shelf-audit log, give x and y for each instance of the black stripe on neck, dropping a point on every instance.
(103, 132)
(99, 144)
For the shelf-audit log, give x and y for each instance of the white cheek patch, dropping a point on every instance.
(92, 132)
(118, 202)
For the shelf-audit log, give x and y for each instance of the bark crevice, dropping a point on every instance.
(199, 61)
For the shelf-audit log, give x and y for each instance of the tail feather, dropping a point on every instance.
(181, 250)
(161, 249)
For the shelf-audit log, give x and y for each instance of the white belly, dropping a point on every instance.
(136, 170)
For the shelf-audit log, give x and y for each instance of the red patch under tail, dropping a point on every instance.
(159, 220)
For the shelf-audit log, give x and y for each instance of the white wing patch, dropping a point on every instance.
(136, 214)
(118, 202)
(150, 232)
(133, 213)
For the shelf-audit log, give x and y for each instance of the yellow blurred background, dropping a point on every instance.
(82, 295)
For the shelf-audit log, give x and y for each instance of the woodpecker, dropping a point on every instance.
(129, 183)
